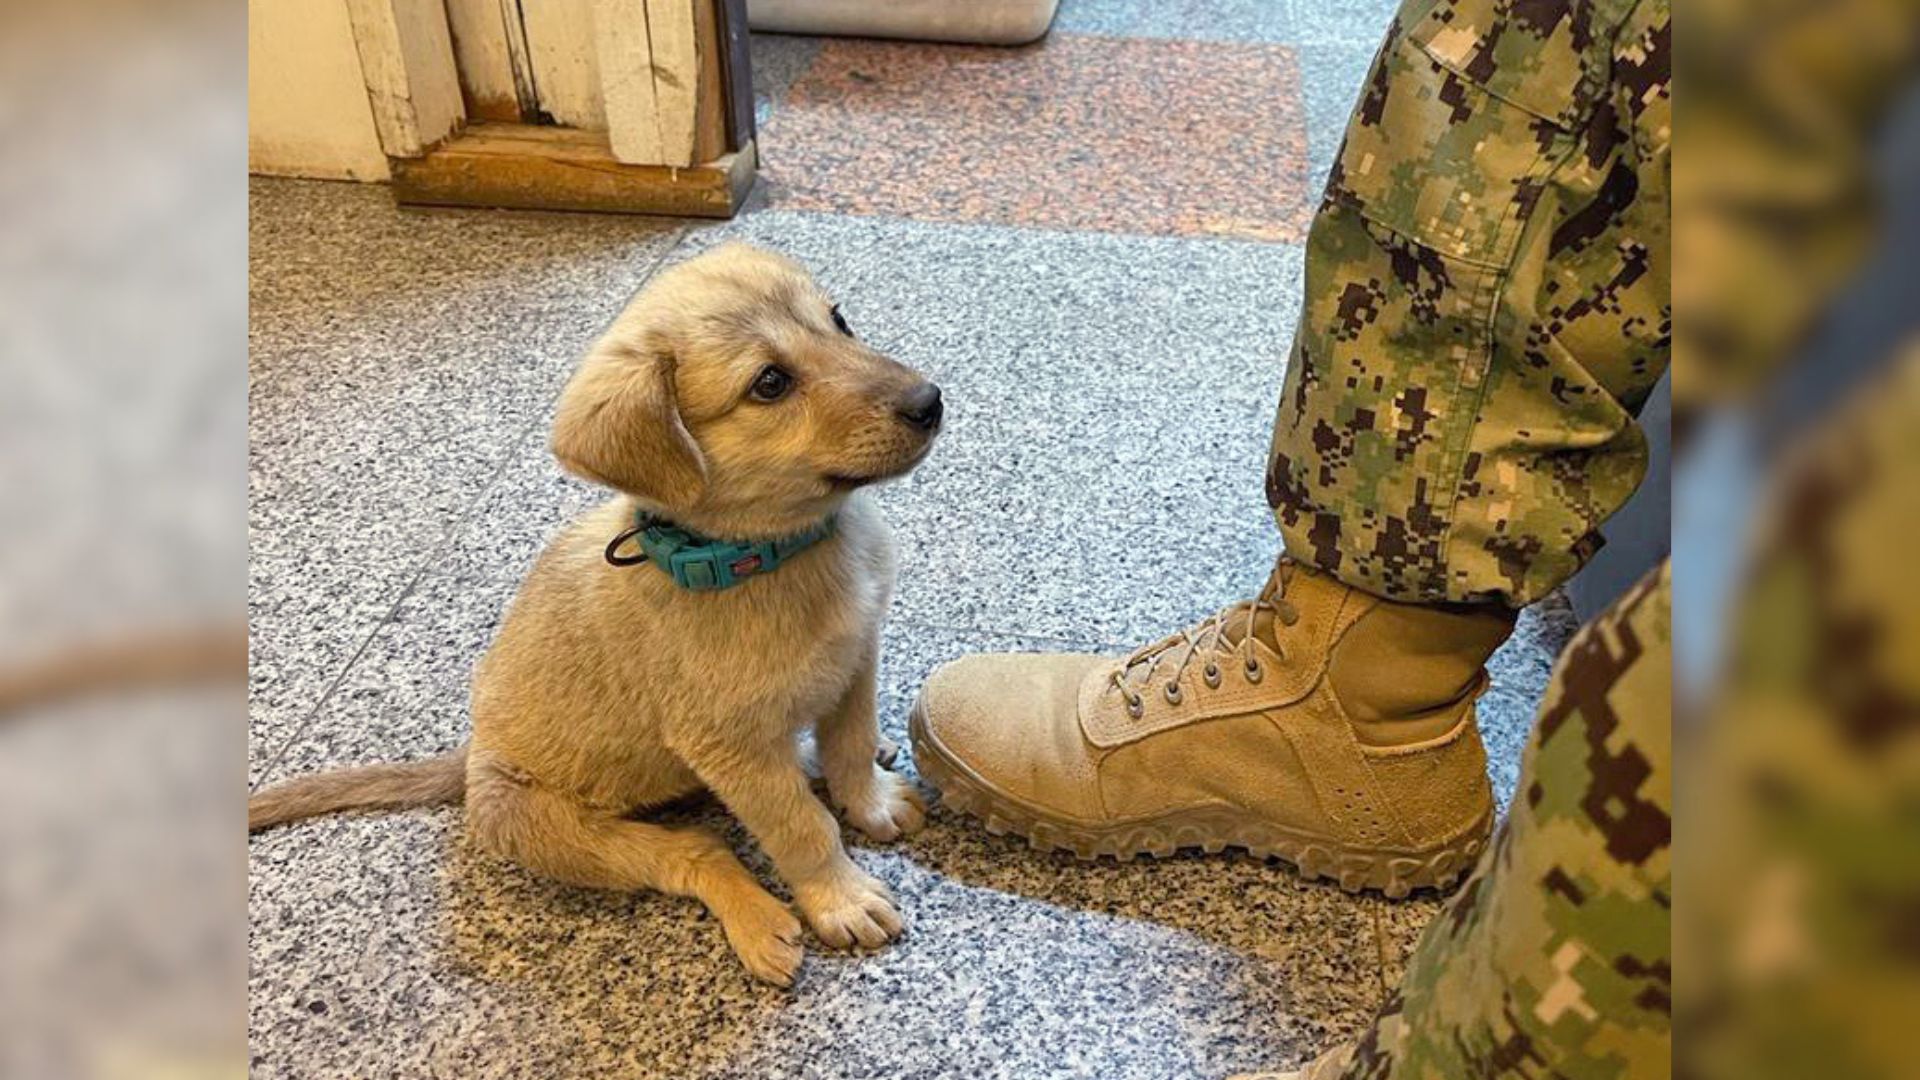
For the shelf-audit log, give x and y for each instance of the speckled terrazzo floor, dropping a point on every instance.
(1110, 388)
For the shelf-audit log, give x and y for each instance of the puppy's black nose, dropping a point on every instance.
(922, 408)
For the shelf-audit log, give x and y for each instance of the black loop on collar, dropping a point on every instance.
(626, 560)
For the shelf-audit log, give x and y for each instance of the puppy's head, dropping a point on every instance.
(732, 397)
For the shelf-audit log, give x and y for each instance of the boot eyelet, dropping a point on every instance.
(1211, 674)
(1254, 673)
(1135, 706)
(1173, 693)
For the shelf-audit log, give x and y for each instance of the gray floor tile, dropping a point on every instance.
(1332, 77)
(778, 59)
(1200, 20)
(396, 357)
(377, 332)
(1030, 572)
(440, 961)
(326, 562)
(406, 696)
(1339, 22)
(306, 629)
(1400, 924)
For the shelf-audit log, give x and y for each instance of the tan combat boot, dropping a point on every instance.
(1339, 734)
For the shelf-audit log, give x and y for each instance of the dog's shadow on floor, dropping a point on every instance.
(591, 960)
(1322, 957)
(506, 923)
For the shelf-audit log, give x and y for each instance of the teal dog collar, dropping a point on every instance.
(705, 565)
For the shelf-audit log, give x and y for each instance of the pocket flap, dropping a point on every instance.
(1548, 57)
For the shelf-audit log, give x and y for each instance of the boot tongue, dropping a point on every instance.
(1265, 629)
(1232, 627)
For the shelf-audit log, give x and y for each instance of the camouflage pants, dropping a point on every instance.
(1486, 302)
(1487, 307)
(1554, 958)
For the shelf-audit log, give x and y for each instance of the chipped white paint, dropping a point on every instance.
(565, 61)
(650, 64)
(406, 60)
(675, 67)
(627, 84)
(483, 49)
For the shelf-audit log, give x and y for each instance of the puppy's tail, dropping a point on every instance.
(430, 782)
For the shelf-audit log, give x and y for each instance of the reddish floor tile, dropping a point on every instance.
(1130, 135)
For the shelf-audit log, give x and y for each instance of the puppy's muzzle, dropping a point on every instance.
(921, 409)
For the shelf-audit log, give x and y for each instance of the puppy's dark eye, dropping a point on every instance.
(840, 321)
(771, 384)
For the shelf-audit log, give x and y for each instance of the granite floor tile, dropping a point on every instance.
(375, 332)
(328, 560)
(1318, 22)
(1201, 20)
(302, 641)
(1334, 76)
(1107, 581)
(343, 281)
(1400, 923)
(1132, 135)
(396, 358)
(778, 59)
(405, 693)
(441, 961)
(406, 696)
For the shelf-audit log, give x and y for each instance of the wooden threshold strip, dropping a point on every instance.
(532, 167)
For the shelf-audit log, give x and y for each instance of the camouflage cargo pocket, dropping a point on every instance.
(1468, 113)
(1470, 106)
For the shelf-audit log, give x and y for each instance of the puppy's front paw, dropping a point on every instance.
(766, 938)
(889, 809)
(850, 908)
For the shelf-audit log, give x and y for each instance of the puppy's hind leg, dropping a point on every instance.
(559, 838)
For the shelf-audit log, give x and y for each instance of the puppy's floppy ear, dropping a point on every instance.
(618, 423)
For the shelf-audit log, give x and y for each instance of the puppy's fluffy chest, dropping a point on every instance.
(777, 650)
(783, 649)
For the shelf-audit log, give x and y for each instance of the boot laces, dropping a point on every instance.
(1206, 643)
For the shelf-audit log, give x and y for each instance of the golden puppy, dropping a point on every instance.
(731, 401)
